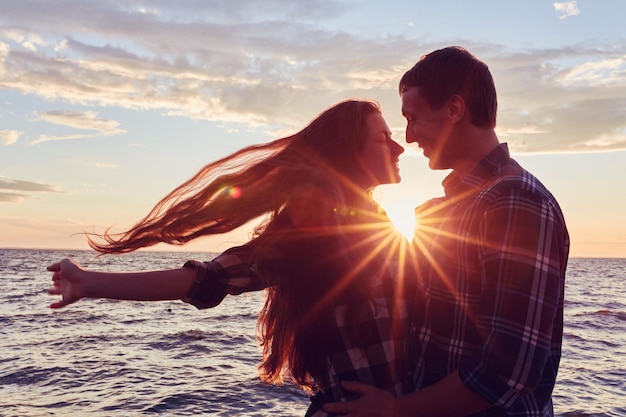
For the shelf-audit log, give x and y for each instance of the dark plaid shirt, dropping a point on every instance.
(371, 350)
(490, 302)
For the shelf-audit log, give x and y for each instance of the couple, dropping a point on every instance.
(467, 321)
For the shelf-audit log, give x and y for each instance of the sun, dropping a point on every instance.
(403, 218)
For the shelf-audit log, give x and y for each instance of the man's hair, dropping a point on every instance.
(453, 70)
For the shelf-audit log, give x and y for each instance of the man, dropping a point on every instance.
(488, 318)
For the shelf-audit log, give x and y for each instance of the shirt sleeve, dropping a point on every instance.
(522, 253)
(229, 273)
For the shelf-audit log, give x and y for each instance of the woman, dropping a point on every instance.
(334, 310)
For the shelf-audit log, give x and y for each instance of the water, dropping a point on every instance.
(106, 358)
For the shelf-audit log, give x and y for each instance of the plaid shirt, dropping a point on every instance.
(490, 303)
(371, 350)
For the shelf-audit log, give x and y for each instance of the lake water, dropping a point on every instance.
(105, 358)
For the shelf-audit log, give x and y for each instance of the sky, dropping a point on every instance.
(105, 106)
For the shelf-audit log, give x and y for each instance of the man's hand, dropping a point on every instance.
(374, 402)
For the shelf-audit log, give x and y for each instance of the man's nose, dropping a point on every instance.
(409, 135)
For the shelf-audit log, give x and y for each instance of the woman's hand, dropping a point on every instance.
(68, 281)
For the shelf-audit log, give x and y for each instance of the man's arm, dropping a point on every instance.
(447, 398)
(522, 259)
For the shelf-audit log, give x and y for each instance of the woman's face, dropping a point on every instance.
(379, 157)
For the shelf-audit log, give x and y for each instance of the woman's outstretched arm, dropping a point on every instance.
(72, 283)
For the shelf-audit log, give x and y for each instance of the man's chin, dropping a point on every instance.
(434, 164)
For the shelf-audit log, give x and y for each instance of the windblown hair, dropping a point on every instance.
(300, 265)
(253, 181)
(453, 70)
(314, 269)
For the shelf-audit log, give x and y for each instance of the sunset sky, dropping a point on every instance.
(105, 106)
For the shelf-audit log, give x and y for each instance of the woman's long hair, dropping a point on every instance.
(313, 271)
(300, 265)
(254, 181)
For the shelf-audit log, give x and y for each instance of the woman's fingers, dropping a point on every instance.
(54, 267)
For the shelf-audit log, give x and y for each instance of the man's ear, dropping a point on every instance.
(456, 108)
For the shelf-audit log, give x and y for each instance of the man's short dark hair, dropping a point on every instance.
(453, 70)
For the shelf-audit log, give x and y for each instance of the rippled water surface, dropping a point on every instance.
(106, 358)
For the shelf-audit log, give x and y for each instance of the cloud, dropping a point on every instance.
(78, 120)
(86, 120)
(41, 233)
(14, 190)
(567, 9)
(39, 224)
(9, 137)
(604, 72)
(29, 42)
(568, 100)
(221, 65)
(271, 64)
(9, 197)
(103, 165)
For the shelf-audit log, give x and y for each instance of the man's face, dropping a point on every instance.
(429, 128)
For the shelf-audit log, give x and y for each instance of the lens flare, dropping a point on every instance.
(233, 192)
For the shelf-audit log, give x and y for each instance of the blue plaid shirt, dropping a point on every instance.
(490, 299)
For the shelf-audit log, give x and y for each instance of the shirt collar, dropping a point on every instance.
(488, 167)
